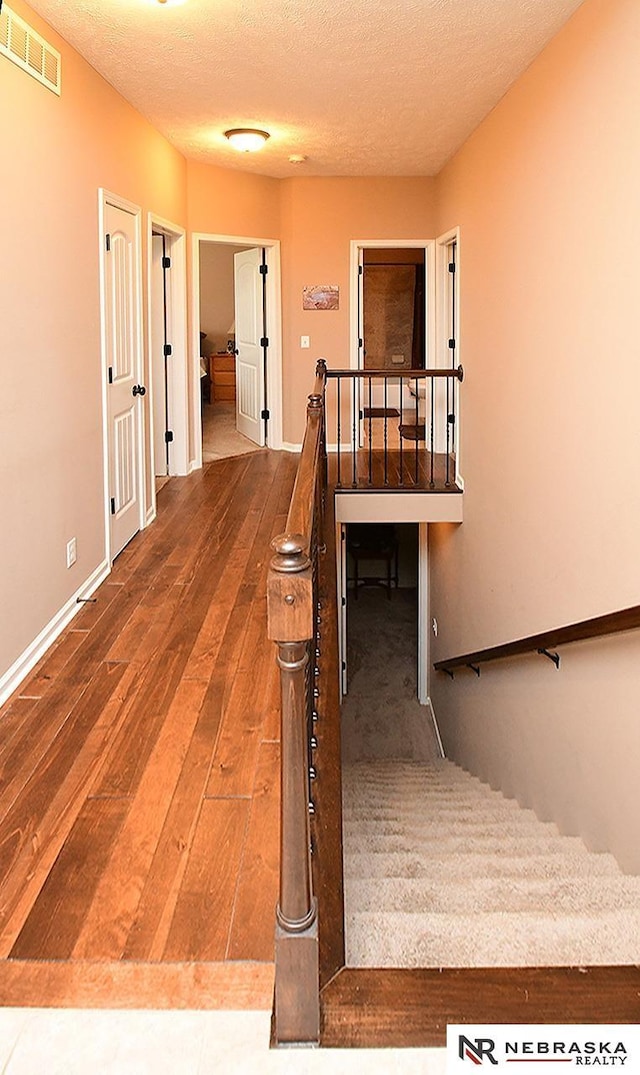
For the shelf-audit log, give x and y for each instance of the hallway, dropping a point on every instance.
(140, 768)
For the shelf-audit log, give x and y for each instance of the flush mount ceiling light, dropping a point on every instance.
(246, 139)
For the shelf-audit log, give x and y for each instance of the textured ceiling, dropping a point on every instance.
(361, 87)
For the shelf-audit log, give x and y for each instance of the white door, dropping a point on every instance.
(249, 310)
(124, 395)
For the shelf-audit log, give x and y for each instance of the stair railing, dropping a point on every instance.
(293, 612)
(395, 428)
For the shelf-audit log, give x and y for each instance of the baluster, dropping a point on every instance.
(338, 483)
(417, 421)
(400, 434)
(385, 420)
(370, 445)
(354, 395)
(432, 387)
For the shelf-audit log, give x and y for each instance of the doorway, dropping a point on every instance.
(230, 344)
(383, 571)
(167, 335)
(237, 383)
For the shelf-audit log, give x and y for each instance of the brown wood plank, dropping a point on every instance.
(109, 915)
(202, 917)
(37, 823)
(52, 663)
(53, 925)
(364, 1008)
(253, 926)
(177, 986)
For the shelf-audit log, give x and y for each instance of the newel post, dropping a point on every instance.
(290, 615)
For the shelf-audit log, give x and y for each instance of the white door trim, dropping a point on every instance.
(274, 332)
(178, 383)
(106, 197)
(356, 246)
(442, 323)
(423, 613)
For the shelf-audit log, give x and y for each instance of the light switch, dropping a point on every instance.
(304, 341)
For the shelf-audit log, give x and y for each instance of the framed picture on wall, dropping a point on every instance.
(321, 297)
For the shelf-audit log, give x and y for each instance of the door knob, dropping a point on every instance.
(138, 390)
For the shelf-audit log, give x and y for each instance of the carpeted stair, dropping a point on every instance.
(442, 871)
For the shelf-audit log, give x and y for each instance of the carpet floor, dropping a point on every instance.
(220, 438)
(441, 871)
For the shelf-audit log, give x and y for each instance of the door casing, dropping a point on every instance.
(274, 332)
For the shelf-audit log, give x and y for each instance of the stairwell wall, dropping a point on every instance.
(546, 195)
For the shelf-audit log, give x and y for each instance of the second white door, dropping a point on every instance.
(250, 329)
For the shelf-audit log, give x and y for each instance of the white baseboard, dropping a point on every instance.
(150, 516)
(435, 727)
(287, 446)
(14, 676)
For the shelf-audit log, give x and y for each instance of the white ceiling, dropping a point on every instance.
(361, 87)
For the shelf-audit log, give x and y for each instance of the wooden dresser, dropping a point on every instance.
(223, 378)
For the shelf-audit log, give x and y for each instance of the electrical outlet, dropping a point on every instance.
(72, 552)
(434, 626)
(304, 341)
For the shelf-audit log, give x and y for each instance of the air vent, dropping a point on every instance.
(22, 45)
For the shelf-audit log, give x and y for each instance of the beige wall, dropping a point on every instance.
(319, 218)
(56, 153)
(217, 302)
(546, 195)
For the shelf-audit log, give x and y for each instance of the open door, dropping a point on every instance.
(250, 333)
(124, 394)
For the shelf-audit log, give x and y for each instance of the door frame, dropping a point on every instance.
(178, 383)
(358, 245)
(274, 332)
(107, 197)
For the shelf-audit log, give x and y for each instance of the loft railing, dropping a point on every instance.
(293, 622)
(395, 429)
(626, 619)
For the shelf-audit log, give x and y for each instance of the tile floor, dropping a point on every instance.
(72, 1042)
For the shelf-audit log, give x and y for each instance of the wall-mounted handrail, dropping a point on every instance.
(626, 619)
(293, 611)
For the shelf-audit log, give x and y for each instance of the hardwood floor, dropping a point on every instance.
(409, 470)
(139, 767)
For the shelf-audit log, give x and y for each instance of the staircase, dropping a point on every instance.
(441, 871)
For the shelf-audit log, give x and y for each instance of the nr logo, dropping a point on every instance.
(477, 1050)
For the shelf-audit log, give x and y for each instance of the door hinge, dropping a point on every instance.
(168, 437)
(168, 350)
(166, 263)
(452, 345)
(107, 242)
(113, 505)
(451, 419)
(344, 601)
(452, 266)
(264, 341)
(264, 269)
(360, 270)
(360, 415)
(344, 666)
(265, 414)
(110, 374)
(360, 342)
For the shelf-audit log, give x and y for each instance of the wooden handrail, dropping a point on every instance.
(456, 373)
(292, 624)
(626, 619)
